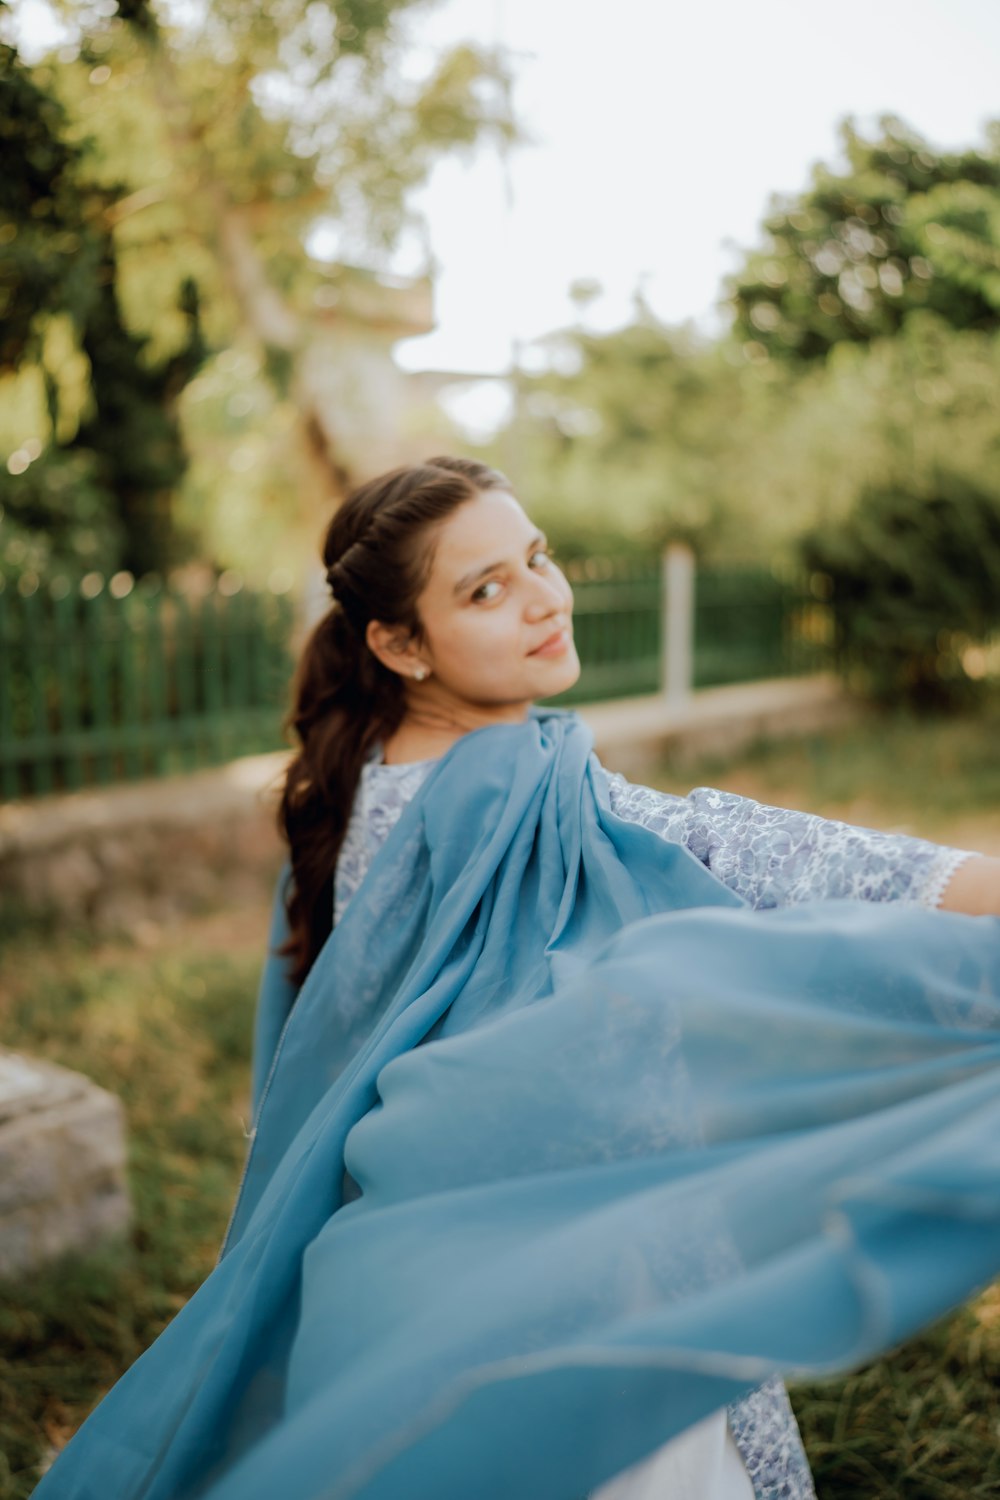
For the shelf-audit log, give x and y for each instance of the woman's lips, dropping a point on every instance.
(554, 646)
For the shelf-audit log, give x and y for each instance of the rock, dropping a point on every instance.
(62, 1164)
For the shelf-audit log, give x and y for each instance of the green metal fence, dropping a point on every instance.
(99, 688)
(749, 623)
(617, 628)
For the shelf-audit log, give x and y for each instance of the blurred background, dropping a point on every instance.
(717, 286)
(723, 278)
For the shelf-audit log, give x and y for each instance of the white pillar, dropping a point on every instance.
(677, 652)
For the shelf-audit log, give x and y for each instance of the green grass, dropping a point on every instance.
(922, 1425)
(168, 1032)
(167, 1028)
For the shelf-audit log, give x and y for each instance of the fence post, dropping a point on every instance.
(677, 651)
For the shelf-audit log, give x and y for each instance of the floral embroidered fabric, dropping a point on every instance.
(770, 856)
(773, 856)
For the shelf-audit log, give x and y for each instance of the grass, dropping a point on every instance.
(921, 1425)
(168, 1031)
(166, 1025)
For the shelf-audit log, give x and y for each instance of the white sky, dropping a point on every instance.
(662, 129)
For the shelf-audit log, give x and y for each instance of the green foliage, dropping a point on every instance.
(626, 440)
(47, 250)
(797, 451)
(257, 31)
(99, 489)
(58, 517)
(140, 15)
(903, 228)
(644, 434)
(913, 579)
(454, 109)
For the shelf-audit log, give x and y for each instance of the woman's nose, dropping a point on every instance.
(550, 594)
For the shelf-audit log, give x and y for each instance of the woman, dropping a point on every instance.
(578, 1117)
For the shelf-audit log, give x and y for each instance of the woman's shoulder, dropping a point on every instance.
(631, 799)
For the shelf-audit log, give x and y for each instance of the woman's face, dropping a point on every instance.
(494, 596)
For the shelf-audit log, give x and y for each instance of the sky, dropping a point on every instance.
(660, 132)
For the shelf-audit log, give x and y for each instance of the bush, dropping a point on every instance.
(913, 580)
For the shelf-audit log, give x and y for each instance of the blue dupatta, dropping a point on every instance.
(625, 1148)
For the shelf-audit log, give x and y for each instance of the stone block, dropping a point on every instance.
(62, 1164)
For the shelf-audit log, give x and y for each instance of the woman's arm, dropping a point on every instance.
(974, 888)
(774, 856)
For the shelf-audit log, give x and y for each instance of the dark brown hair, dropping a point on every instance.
(378, 558)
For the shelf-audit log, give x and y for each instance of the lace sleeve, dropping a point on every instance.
(773, 856)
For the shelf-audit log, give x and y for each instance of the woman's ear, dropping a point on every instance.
(394, 647)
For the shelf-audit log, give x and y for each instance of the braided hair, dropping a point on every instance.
(378, 551)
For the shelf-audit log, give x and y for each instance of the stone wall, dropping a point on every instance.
(146, 852)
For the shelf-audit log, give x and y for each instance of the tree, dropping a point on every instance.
(904, 228)
(48, 253)
(913, 580)
(211, 148)
(121, 453)
(637, 436)
(277, 115)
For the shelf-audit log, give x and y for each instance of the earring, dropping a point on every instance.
(420, 673)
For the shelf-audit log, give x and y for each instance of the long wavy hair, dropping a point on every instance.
(378, 552)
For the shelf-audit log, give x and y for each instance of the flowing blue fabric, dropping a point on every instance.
(616, 1148)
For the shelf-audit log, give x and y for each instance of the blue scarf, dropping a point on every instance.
(623, 1148)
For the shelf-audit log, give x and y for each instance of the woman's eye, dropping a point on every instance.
(545, 553)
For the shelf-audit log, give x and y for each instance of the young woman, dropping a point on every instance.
(582, 1112)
